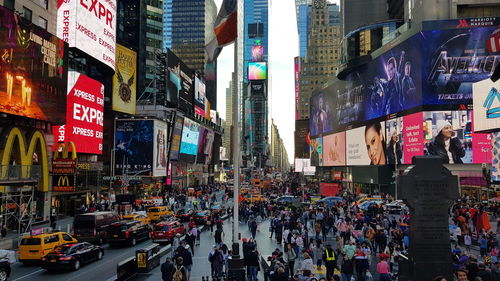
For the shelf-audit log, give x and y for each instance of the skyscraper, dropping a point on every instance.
(139, 27)
(323, 52)
(357, 13)
(187, 28)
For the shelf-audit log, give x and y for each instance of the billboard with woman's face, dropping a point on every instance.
(367, 145)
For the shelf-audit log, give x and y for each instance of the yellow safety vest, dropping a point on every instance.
(328, 258)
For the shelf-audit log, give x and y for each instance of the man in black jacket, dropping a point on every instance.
(167, 269)
(252, 263)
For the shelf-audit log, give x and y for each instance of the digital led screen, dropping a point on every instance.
(33, 70)
(257, 71)
(190, 135)
(176, 138)
(367, 145)
(317, 152)
(160, 155)
(89, 25)
(257, 53)
(133, 147)
(334, 149)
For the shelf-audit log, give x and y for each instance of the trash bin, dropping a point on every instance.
(147, 258)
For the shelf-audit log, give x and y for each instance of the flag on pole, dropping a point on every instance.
(225, 28)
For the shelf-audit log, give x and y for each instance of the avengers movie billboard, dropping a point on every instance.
(33, 70)
(433, 67)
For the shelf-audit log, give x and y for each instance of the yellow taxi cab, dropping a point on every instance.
(155, 213)
(34, 247)
(143, 218)
(364, 199)
(256, 198)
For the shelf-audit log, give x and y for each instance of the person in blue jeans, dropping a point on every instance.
(252, 263)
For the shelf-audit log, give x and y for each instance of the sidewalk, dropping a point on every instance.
(11, 241)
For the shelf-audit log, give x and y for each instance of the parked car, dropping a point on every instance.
(34, 247)
(72, 256)
(4, 269)
(164, 231)
(365, 205)
(129, 232)
(285, 199)
(184, 215)
(92, 227)
(156, 213)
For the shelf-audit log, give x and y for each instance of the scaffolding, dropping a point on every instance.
(17, 193)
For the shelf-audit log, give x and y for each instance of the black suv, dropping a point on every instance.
(127, 231)
(4, 269)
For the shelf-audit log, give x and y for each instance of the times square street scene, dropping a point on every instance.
(245, 140)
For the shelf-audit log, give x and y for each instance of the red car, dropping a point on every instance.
(164, 231)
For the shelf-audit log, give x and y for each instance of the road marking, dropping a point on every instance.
(34, 272)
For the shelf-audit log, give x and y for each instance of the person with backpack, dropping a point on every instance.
(167, 270)
(179, 271)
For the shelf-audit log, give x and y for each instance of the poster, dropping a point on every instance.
(160, 148)
(317, 152)
(495, 154)
(134, 147)
(486, 105)
(367, 145)
(334, 149)
(190, 135)
(176, 138)
(413, 138)
(125, 80)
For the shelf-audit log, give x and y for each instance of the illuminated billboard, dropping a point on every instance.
(160, 156)
(296, 69)
(205, 146)
(33, 70)
(133, 147)
(450, 135)
(257, 53)
(89, 25)
(200, 99)
(486, 102)
(301, 139)
(367, 145)
(125, 80)
(257, 71)
(431, 68)
(180, 83)
(334, 149)
(176, 138)
(84, 113)
(316, 152)
(190, 135)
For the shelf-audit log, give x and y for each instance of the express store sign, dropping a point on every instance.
(89, 25)
(84, 114)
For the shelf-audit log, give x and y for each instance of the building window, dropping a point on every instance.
(9, 4)
(42, 23)
(27, 13)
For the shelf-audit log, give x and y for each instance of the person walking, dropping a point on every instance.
(219, 236)
(167, 270)
(179, 271)
(252, 263)
(330, 261)
(253, 228)
(307, 263)
(290, 256)
(347, 269)
(384, 270)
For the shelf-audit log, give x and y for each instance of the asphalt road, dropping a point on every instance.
(102, 270)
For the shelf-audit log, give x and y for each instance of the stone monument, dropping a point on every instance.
(429, 189)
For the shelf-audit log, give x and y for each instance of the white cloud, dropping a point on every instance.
(283, 47)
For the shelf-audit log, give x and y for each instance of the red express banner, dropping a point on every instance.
(85, 113)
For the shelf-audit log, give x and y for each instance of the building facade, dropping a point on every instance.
(41, 13)
(279, 156)
(357, 13)
(323, 53)
(187, 28)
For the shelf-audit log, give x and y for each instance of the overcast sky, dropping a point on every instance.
(283, 47)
